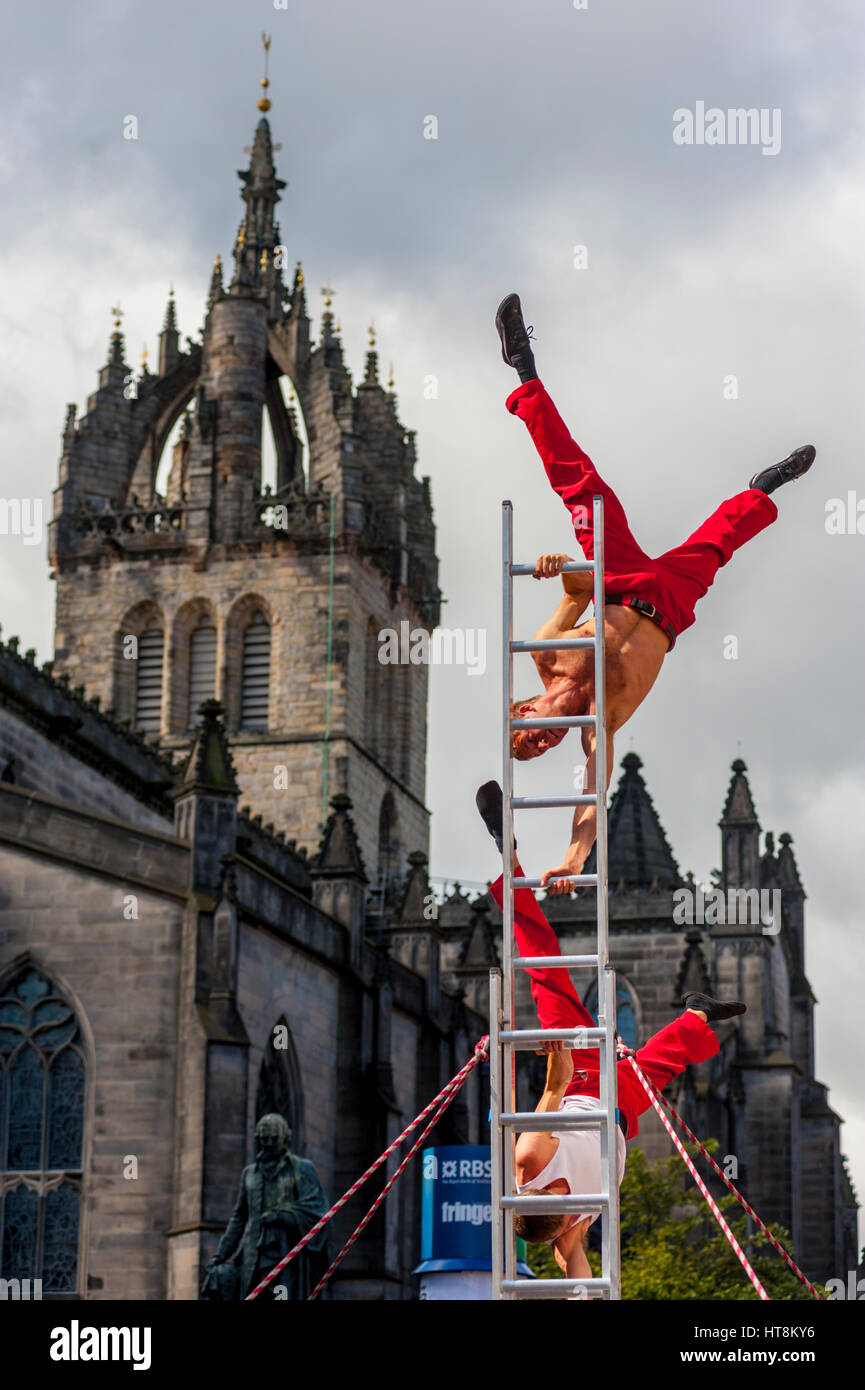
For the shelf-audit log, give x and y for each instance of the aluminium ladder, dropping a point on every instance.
(505, 1040)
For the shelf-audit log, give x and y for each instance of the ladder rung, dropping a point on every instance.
(587, 1037)
(564, 721)
(581, 880)
(532, 1121)
(551, 1203)
(554, 962)
(571, 567)
(555, 1288)
(554, 644)
(536, 803)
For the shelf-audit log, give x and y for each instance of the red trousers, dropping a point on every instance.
(674, 581)
(665, 1055)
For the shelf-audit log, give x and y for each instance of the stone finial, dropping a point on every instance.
(415, 891)
(216, 290)
(788, 870)
(298, 291)
(170, 320)
(339, 853)
(210, 766)
(116, 346)
(169, 338)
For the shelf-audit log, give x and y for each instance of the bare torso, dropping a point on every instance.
(635, 648)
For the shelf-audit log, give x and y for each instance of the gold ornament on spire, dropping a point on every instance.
(118, 315)
(217, 264)
(328, 291)
(372, 334)
(263, 102)
(144, 356)
(390, 378)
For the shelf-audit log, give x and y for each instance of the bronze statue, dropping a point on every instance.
(280, 1199)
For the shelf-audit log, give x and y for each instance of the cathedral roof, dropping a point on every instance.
(638, 852)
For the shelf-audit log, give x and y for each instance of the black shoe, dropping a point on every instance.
(488, 800)
(516, 345)
(714, 1009)
(793, 466)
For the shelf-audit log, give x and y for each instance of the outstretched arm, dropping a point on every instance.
(577, 595)
(585, 821)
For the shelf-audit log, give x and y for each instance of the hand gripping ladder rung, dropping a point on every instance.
(506, 1040)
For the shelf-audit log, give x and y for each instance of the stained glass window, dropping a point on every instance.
(626, 1018)
(41, 1133)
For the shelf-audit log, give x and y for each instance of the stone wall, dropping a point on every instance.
(122, 976)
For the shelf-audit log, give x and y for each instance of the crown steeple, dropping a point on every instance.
(257, 268)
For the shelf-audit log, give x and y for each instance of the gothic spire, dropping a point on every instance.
(256, 268)
(258, 229)
(639, 853)
(740, 834)
(739, 806)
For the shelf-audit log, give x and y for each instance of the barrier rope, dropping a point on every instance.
(438, 1105)
(737, 1194)
(712, 1204)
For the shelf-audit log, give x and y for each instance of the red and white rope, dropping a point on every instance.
(439, 1105)
(712, 1204)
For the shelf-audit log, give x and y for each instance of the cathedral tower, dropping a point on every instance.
(271, 600)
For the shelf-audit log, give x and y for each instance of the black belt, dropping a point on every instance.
(648, 610)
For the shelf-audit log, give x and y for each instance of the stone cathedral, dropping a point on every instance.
(214, 900)
(213, 835)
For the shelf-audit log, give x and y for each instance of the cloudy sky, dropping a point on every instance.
(555, 130)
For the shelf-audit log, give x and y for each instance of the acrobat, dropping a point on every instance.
(649, 601)
(570, 1160)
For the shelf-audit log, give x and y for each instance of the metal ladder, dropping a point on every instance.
(505, 1039)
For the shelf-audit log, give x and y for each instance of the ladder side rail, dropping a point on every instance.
(496, 1132)
(509, 1059)
(606, 976)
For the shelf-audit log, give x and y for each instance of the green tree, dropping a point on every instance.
(672, 1247)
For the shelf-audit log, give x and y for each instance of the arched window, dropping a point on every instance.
(202, 668)
(626, 1013)
(148, 688)
(255, 677)
(280, 1091)
(42, 1081)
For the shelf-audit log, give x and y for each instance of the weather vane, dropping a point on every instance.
(263, 102)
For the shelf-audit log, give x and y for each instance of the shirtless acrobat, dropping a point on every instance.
(649, 601)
